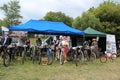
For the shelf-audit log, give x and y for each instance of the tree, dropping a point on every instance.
(58, 16)
(87, 20)
(12, 13)
(109, 14)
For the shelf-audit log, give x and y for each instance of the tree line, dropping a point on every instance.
(105, 17)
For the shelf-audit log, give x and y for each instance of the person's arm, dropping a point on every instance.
(92, 44)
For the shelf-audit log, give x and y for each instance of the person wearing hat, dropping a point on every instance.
(95, 46)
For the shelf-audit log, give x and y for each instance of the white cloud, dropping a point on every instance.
(37, 9)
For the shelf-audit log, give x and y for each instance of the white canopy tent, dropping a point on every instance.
(5, 30)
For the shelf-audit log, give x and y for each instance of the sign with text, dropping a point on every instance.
(111, 44)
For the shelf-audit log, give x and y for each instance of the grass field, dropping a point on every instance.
(68, 71)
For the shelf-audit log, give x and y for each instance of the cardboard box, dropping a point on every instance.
(44, 60)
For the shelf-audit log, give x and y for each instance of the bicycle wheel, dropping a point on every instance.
(75, 59)
(34, 57)
(6, 59)
(86, 57)
(50, 60)
(57, 54)
(118, 53)
(103, 59)
(23, 57)
(113, 57)
(39, 58)
(31, 54)
(15, 53)
(92, 57)
(81, 57)
(50, 57)
(62, 58)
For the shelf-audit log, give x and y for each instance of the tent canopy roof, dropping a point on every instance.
(4, 28)
(47, 27)
(92, 32)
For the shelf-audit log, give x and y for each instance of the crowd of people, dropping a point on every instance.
(59, 42)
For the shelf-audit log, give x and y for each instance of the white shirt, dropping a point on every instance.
(5, 40)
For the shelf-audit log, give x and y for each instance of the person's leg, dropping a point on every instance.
(65, 58)
(65, 53)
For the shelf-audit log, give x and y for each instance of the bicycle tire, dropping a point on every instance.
(118, 53)
(57, 55)
(39, 59)
(15, 54)
(33, 58)
(6, 59)
(61, 59)
(50, 58)
(32, 54)
(86, 57)
(103, 59)
(75, 59)
(92, 57)
(113, 56)
(81, 57)
(23, 57)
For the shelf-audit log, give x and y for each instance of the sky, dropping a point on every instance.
(37, 9)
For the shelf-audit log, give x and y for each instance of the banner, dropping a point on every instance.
(111, 44)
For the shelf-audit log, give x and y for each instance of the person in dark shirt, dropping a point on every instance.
(27, 42)
(38, 42)
(6, 41)
(56, 43)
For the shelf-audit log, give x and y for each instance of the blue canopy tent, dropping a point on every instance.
(46, 27)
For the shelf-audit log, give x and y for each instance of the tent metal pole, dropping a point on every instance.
(83, 38)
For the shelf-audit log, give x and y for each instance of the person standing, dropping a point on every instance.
(95, 47)
(21, 43)
(56, 43)
(65, 47)
(38, 42)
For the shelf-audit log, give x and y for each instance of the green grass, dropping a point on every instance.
(68, 71)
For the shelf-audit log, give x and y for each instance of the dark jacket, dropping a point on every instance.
(8, 41)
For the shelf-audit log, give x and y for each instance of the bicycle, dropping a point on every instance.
(77, 55)
(13, 49)
(106, 56)
(118, 53)
(47, 54)
(50, 55)
(28, 52)
(37, 55)
(89, 54)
